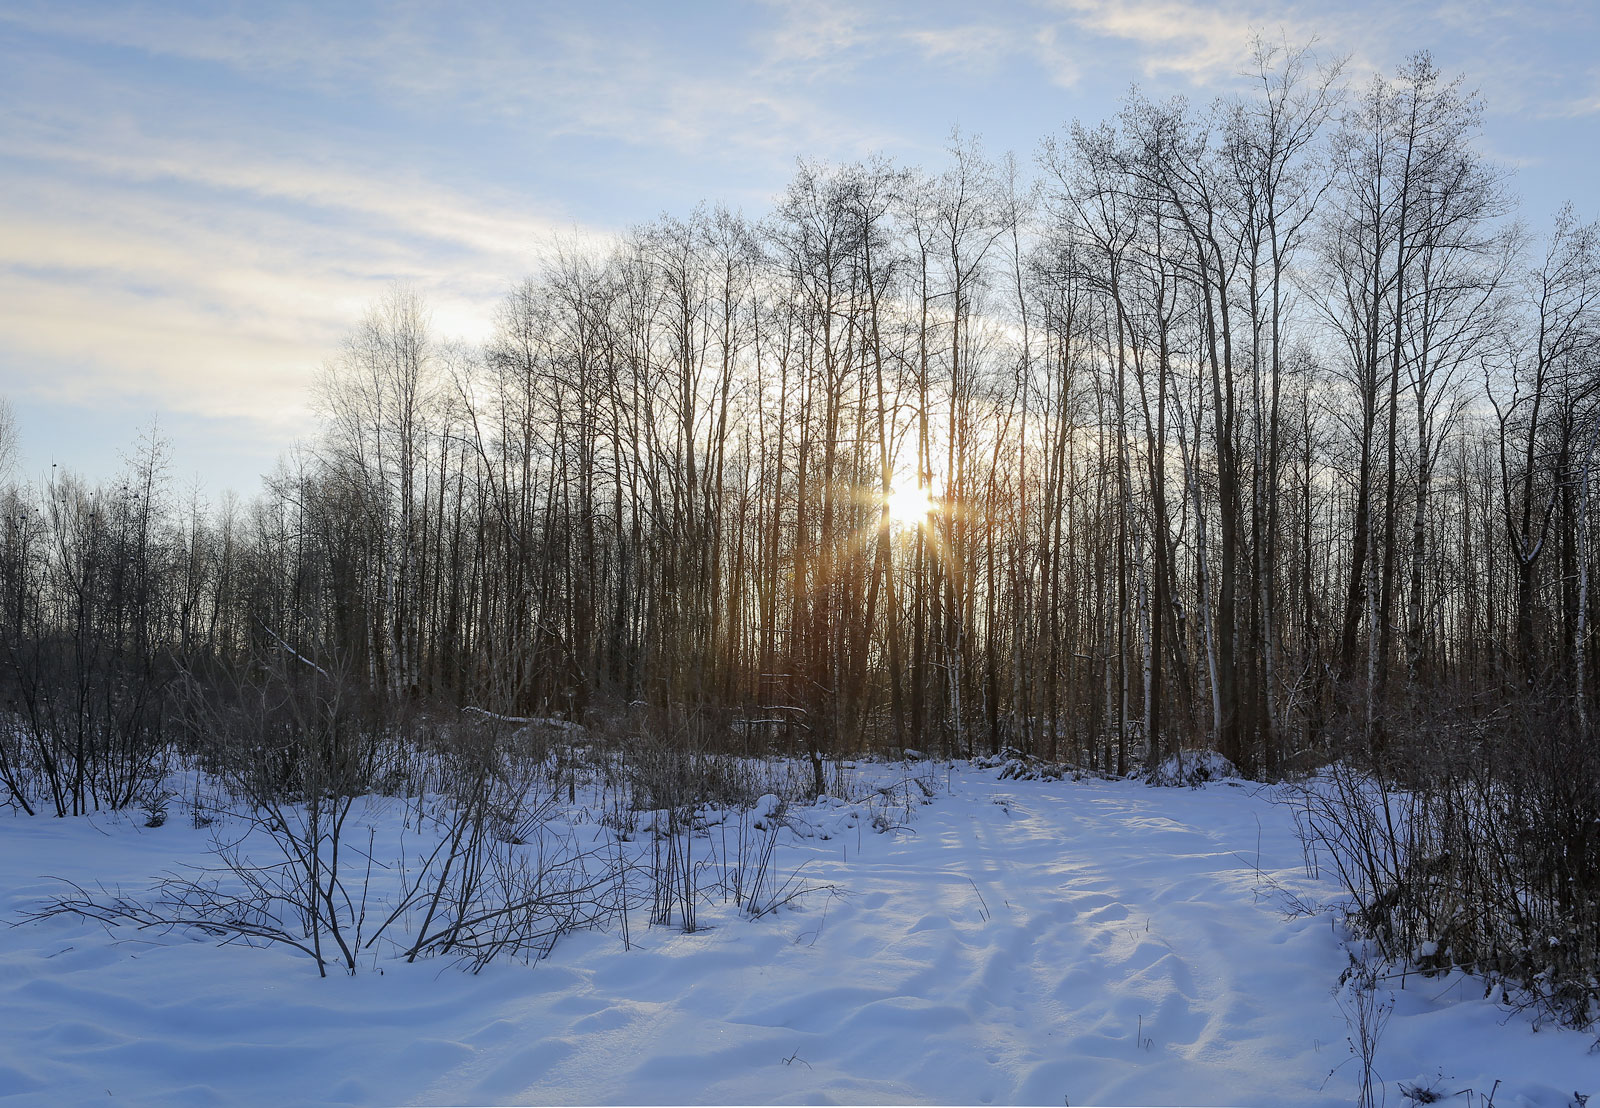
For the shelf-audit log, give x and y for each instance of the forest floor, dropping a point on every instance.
(1068, 942)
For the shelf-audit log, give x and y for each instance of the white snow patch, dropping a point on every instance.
(1193, 768)
(1014, 942)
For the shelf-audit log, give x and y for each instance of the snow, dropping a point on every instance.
(1193, 768)
(1011, 941)
(547, 723)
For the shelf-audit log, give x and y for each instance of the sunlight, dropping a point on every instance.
(909, 507)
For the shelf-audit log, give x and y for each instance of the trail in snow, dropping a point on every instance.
(1023, 942)
(1032, 943)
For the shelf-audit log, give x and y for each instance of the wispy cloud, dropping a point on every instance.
(540, 71)
(206, 253)
(415, 205)
(971, 46)
(200, 200)
(1056, 56)
(1575, 109)
(1203, 42)
(225, 302)
(1576, 103)
(820, 34)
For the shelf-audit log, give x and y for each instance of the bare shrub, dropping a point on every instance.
(300, 749)
(1366, 1014)
(1474, 843)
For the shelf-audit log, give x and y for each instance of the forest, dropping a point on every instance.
(1263, 426)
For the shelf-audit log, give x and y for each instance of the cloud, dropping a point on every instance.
(1585, 103)
(1200, 41)
(540, 72)
(818, 34)
(972, 46)
(1520, 56)
(207, 252)
(414, 204)
(218, 281)
(1057, 60)
(1209, 44)
(202, 201)
(1576, 109)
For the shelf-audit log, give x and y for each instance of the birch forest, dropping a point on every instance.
(1264, 426)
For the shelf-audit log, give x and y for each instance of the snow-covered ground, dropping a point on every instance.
(1064, 942)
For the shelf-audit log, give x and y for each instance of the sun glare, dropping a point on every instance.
(909, 507)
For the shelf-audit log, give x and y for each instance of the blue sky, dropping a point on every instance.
(197, 201)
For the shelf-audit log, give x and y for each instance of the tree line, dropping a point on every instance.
(1263, 426)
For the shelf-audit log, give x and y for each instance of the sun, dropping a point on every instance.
(909, 507)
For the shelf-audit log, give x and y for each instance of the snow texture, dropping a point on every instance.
(1193, 768)
(1017, 941)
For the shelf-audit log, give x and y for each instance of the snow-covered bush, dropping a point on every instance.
(1193, 768)
(1014, 765)
(1474, 844)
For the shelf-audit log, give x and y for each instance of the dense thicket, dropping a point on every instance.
(1261, 427)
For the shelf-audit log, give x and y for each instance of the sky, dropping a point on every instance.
(199, 201)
